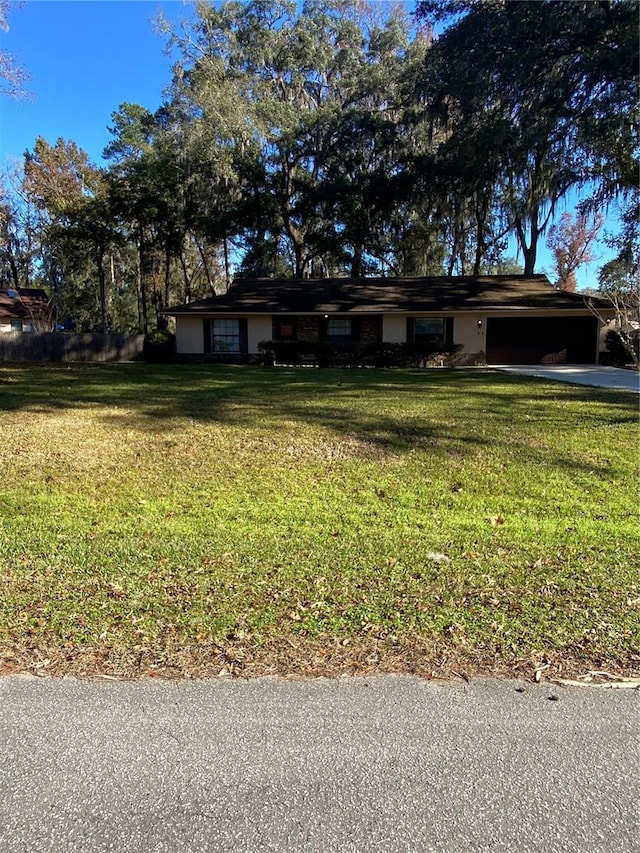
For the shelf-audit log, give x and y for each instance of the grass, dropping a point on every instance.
(199, 520)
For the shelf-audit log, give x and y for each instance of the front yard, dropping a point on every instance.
(200, 520)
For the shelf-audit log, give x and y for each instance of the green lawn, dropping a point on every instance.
(198, 519)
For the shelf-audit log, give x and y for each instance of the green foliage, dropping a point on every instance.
(618, 282)
(324, 354)
(335, 139)
(159, 347)
(311, 99)
(530, 120)
(623, 347)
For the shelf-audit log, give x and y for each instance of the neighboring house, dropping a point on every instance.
(24, 310)
(497, 319)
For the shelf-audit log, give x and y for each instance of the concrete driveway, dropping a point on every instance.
(579, 374)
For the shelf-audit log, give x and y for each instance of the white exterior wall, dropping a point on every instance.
(467, 332)
(259, 329)
(394, 328)
(189, 336)
(5, 326)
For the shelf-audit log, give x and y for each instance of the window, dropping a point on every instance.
(16, 325)
(430, 330)
(428, 327)
(222, 335)
(338, 327)
(338, 330)
(225, 335)
(285, 330)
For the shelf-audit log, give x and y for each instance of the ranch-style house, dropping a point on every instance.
(495, 319)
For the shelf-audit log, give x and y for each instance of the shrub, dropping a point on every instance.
(324, 354)
(620, 346)
(159, 346)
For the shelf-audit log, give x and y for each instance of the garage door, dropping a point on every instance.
(542, 340)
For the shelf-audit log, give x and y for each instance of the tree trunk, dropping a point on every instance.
(298, 254)
(482, 211)
(205, 265)
(15, 277)
(186, 277)
(167, 273)
(530, 249)
(102, 289)
(142, 289)
(357, 260)
(227, 271)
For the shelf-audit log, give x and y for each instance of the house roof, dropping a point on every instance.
(387, 295)
(18, 304)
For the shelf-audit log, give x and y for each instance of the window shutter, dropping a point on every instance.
(244, 334)
(448, 330)
(410, 330)
(356, 324)
(206, 331)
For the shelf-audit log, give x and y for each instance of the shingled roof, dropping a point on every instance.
(387, 296)
(20, 304)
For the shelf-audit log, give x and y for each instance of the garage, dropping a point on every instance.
(542, 340)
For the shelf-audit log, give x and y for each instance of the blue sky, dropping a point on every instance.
(85, 58)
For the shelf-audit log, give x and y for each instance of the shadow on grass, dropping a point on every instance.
(391, 409)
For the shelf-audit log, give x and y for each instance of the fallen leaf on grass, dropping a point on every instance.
(539, 670)
(116, 590)
(496, 520)
(462, 675)
(436, 557)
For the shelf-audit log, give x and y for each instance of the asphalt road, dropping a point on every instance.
(382, 764)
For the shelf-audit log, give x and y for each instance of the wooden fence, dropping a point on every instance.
(69, 346)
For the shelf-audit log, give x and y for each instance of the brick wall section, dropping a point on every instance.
(308, 328)
(370, 330)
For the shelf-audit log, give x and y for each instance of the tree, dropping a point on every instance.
(72, 197)
(571, 241)
(618, 282)
(537, 94)
(298, 109)
(162, 194)
(19, 242)
(42, 314)
(12, 75)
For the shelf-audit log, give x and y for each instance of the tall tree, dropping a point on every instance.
(302, 100)
(571, 241)
(19, 237)
(72, 197)
(535, 90)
